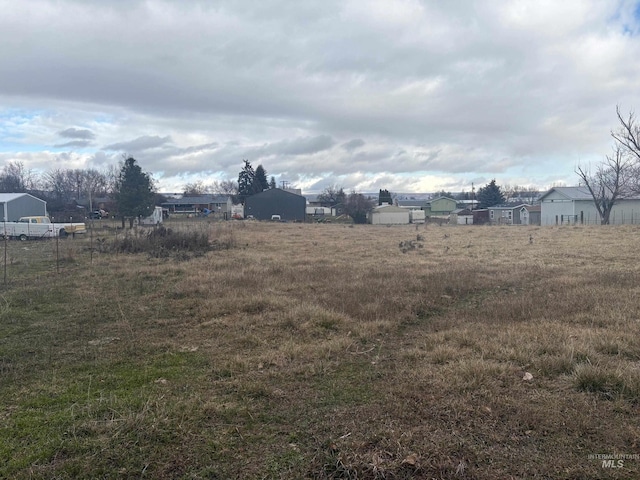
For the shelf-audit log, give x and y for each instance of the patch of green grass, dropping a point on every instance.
(83, 407)
(607, 382)
(348, 385)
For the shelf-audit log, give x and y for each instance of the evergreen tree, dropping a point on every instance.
(272, 182)
(260, 183)
(490, 195)
(246, 179)
(385, 197)
(134, 192)
(442, 193)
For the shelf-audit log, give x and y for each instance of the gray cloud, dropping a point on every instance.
(301, 146)
(352, 145)
(77, 133)
(73, 144)
(145, 142)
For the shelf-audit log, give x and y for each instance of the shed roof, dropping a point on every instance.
(278, 192)
(389, 208)
(7, 197)
(532, 208)
(462, 211)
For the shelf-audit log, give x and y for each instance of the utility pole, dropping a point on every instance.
(473, 195)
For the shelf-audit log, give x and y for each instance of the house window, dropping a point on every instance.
(491, 214)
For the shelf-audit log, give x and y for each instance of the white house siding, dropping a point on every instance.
(389, 215)
(417, 216)
(558, 210)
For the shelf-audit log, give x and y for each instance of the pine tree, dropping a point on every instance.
(246, 179)
(385, 197)
(260, 182)
(134, 192)
(490, 195)
(272, 182)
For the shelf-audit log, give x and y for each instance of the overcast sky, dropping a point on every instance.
(407, 95)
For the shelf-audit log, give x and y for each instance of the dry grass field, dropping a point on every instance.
(326, 352)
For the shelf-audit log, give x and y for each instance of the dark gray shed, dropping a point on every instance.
(275, 201)
(16, 205)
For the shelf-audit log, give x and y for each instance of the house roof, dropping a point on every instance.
(197, 199)
(7, 197)
(440, 198)
(507, 206)
(412, 203)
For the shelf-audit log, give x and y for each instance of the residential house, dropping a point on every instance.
(440, 207)
(505, 214)
(197, 204)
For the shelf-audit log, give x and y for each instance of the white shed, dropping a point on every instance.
(417, 216)
(461, 216)
(16, 205)
(389, 215)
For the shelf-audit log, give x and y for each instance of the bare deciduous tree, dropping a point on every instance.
(618, 176)
(628, 134)
(196, 188)
(16, 178)
(611, 182)
(225, 187)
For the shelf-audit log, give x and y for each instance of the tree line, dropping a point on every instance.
(126, 190)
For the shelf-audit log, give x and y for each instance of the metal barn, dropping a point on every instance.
(275, 201)
(16, 205)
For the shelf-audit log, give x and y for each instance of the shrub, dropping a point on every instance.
(164, 242)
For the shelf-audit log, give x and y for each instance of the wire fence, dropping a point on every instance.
(24, 260)
(617, 217)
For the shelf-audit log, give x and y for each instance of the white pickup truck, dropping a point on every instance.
(39, 227)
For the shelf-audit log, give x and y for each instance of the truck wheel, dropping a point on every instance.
(63, 233)
(22, 237)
